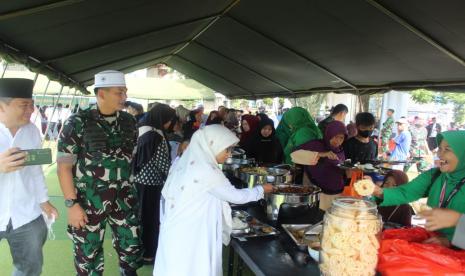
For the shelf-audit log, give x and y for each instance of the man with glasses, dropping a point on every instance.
(94, 154)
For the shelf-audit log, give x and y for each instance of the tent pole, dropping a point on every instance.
(53, 112)
(42, 101)
(416, 31)
(45, 92)
(4, 70)
(67, 94)
(79, 104)
(72, 99)
(380, 124)
(43, 98)
(38, 111)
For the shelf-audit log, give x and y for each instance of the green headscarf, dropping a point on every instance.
(424, 182)
(296, 128)
(456, 140)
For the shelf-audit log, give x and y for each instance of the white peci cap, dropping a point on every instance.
(402, 121)
(109, 78)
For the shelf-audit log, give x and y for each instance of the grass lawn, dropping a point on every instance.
(58, 255)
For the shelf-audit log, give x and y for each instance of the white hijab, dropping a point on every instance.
(197, 172)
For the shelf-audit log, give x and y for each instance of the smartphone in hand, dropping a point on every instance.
(38, 157)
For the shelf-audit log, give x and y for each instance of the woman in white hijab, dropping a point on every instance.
(196, 217)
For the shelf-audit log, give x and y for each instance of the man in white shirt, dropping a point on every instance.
(23, 193)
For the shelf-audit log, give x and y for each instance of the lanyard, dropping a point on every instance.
(459, 185)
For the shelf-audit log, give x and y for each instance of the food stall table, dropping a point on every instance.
(274, 255)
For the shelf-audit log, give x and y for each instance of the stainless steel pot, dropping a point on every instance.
(254, 176)
(302, 195)
(231, 165)
(238, 153)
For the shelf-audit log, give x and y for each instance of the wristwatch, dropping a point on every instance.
(70, 202)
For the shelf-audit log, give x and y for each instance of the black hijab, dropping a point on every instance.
(265, 149)
(263, 116)
(148, 143)
(159, 115)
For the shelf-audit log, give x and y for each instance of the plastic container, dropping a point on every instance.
(350, 240)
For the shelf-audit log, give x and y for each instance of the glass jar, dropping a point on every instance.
(350, 239)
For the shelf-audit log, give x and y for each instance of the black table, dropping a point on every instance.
(274, 255)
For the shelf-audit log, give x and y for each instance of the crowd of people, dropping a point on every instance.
(154, 178)
(49, 119)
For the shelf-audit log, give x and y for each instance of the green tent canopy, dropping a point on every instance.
(245, 49)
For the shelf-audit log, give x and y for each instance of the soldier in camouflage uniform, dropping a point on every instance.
(94, 154)
(419, 146)
(386, 132)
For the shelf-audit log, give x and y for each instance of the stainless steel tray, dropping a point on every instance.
(296, 232)
(256, 227)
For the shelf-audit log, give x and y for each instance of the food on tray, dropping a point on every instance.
(255, 170)
(315, 245)
(350, 244)
(246, 226)
(315, 230)
(364, 187)
(238, 224)
(301, 238)
(293, 190)
(298, 234)
(267, 229)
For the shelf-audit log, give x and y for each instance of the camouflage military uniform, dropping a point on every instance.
(102, 147)
(386, 133)
(418, 146)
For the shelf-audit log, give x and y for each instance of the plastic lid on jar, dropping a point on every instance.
(354, 204)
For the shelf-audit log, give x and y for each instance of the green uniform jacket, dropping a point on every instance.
(102, 150)
(422, 186)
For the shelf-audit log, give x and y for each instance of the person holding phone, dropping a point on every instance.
(23, 193)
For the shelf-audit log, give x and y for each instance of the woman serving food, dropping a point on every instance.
(195, 214)
(443, 186)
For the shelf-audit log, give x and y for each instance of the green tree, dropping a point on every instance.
(312, 103)
(281, 102)
(423, 96)
(457, 99)
(239, 104)
(268, 101)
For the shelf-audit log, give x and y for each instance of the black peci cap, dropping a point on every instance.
(16, 88)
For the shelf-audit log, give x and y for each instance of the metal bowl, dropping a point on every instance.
(254, 176)
(231, 165)
(308, 195)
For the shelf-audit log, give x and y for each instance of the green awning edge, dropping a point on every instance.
(12, 55)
